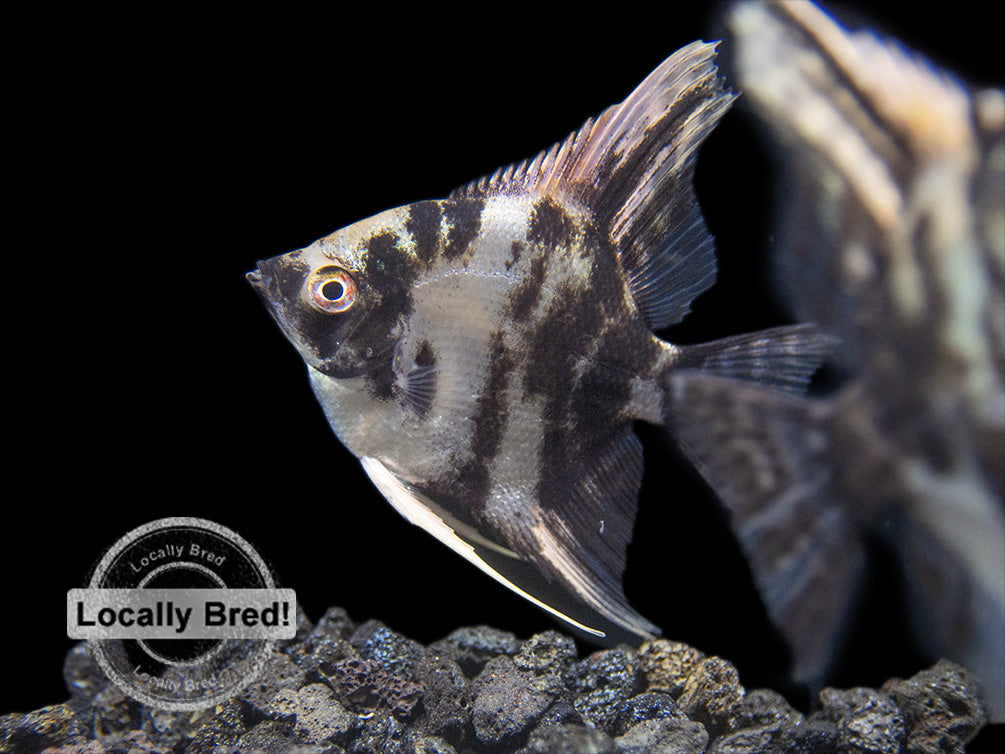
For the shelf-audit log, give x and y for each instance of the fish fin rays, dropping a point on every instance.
(664, 284)
(634, 167)
(764, 453)
(574, 556)
(783, 358)
(588, 511)
(418, 389)
(493, 559)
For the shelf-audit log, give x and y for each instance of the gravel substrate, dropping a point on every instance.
(341, 687)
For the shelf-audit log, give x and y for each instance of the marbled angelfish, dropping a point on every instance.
(484, 356)
(894, 242)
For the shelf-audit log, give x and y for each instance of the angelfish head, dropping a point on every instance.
(334, 300)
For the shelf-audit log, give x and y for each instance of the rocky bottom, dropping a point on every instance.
(341, 688)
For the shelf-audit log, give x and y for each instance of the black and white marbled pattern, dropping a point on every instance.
(500, 343)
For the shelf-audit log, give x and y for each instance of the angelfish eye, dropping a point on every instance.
(330, 290)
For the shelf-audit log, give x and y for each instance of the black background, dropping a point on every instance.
(156, 158)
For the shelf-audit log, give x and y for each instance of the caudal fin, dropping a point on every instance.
(765, 453)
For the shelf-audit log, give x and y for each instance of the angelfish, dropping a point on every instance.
(893, 241)
(485, 355)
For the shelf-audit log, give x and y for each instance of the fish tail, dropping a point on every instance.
(767, 454)
(783, 358)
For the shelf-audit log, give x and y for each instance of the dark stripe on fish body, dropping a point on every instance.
(380, 382)
(424, 225)
(603, 392)
(581, 416)
(322, 333)
(516, 249)
(563, 454)
(472, 482)
(573, 321)
(389, 270)
(465, 219)
(544, 376)
(523, 300)
(556, 473)
(550, 225)
(491, 411)
(555, 382)
(319, 329)
(606, 276)
(425, 356)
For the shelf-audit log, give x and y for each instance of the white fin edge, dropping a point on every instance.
(416, 512)
(584, 584)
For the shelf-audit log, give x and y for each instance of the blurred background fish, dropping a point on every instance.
(893, 240)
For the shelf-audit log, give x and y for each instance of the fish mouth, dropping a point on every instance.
(262, 280)
(265, 285)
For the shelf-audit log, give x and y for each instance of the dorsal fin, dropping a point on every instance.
(633, 167)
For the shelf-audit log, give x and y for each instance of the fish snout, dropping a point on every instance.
(254, 277)
(264, 281)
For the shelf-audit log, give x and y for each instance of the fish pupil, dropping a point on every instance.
(333, 290)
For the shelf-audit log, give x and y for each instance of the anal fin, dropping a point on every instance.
(499, 562)
(589, 504)
(570, 560)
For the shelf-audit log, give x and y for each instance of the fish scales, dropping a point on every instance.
(485, 355)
